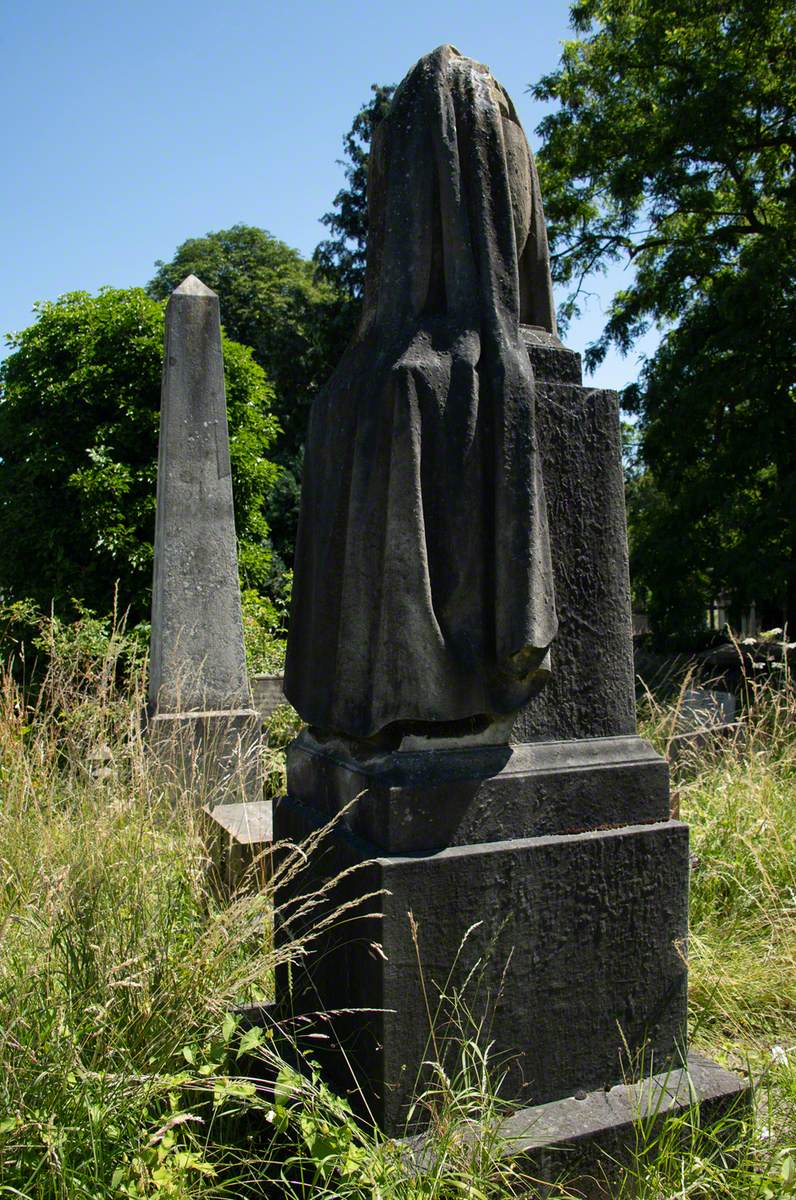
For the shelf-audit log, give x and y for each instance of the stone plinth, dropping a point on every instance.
(268, 693)
(588, 1138)
(213, 755)
(241, 835)
(427, 800)
(576, 946)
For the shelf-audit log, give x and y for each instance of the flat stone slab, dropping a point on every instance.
(593, 1133)
(419, 800)
(268, 693)
(592, 1115)
(247, 824)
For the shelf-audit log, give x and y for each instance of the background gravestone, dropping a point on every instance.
(202, 721)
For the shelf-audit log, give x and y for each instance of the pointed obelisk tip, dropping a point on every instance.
(192, 286)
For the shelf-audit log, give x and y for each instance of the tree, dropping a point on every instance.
(79, 412)
(271, 300)
(674, 149)
(719, 436)
(341, 258)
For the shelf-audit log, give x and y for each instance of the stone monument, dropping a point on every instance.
(460, 646)
(201, 719)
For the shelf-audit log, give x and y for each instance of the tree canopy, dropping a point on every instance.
(79, 414)
(673, 149)
(341, 257)
(273, 301)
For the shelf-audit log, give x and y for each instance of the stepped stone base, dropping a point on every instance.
(427, 800)
(569, 947)
(588, 1138)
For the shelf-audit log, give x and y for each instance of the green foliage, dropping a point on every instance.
(673, 149)
(718, 424)
(121, 967)
(122, 1050)
(342, 256)
(79, 412)
(264, 632)
(673, 146)
(272, 301)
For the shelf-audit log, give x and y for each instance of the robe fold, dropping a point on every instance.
(423, 587)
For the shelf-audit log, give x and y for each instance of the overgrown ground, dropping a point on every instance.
(121, 965)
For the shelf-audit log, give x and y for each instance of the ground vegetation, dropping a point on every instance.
(125, 1065)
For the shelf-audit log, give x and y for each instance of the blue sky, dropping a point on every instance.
(132, 126)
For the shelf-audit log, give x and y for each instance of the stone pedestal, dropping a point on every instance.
(420, 801)
(534, 894)
(574, 960)
(214, 755)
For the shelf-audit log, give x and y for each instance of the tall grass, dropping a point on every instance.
(122, 969)
(737, 791)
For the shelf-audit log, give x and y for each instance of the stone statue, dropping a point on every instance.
(423, 597)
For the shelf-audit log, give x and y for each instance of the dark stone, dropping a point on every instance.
(575, 944)
(423, 588)
(591, 692)
(551, 360)
(197, 661)
(426, 800)
(588, 1138)
(461, 568)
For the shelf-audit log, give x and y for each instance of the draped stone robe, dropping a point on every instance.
(423, 588)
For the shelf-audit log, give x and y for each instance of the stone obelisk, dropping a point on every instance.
(201, 716)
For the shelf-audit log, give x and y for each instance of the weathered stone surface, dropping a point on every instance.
(213, 755)
(427, 800)
(423, 590)
(580, 944)
(268, 692)
(197, 660)
(591, 690)
(588, 1137)
(240, 836)
(245, 824)
(462, 541)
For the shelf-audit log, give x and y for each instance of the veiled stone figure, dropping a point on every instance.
(423, 591)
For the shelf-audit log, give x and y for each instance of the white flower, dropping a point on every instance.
(778, 1055)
